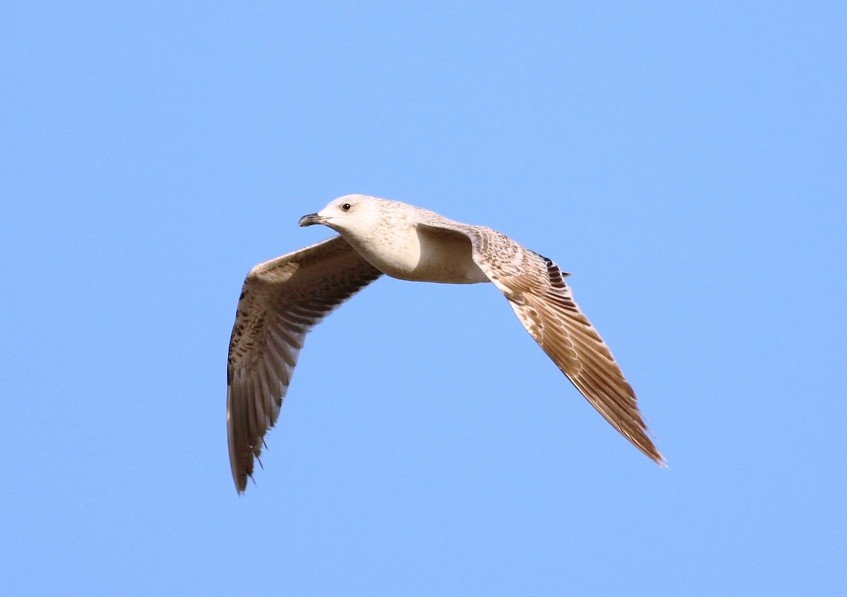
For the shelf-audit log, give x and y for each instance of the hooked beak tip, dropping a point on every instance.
(310, 219)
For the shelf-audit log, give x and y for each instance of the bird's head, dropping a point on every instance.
(356, 215)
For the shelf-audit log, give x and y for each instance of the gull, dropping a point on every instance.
(282, 299)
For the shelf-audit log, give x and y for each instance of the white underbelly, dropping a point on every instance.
(424, 258)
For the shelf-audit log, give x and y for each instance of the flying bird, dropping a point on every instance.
(282, 299)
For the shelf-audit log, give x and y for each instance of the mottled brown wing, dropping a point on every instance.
(551, 316)
(281, 300)
(536, 290)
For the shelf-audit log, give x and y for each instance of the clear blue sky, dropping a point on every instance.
(686, 162)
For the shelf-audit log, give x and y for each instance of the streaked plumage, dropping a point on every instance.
(285, 297)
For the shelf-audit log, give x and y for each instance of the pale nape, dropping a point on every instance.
(282, 299)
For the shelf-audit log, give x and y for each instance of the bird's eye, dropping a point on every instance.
(346, 207)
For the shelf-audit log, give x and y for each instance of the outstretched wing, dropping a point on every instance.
(536, 290)
(281, 300)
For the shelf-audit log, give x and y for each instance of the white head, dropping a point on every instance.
(357, 215)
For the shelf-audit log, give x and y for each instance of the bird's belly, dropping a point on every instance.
(443, 260)
(452, 272)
